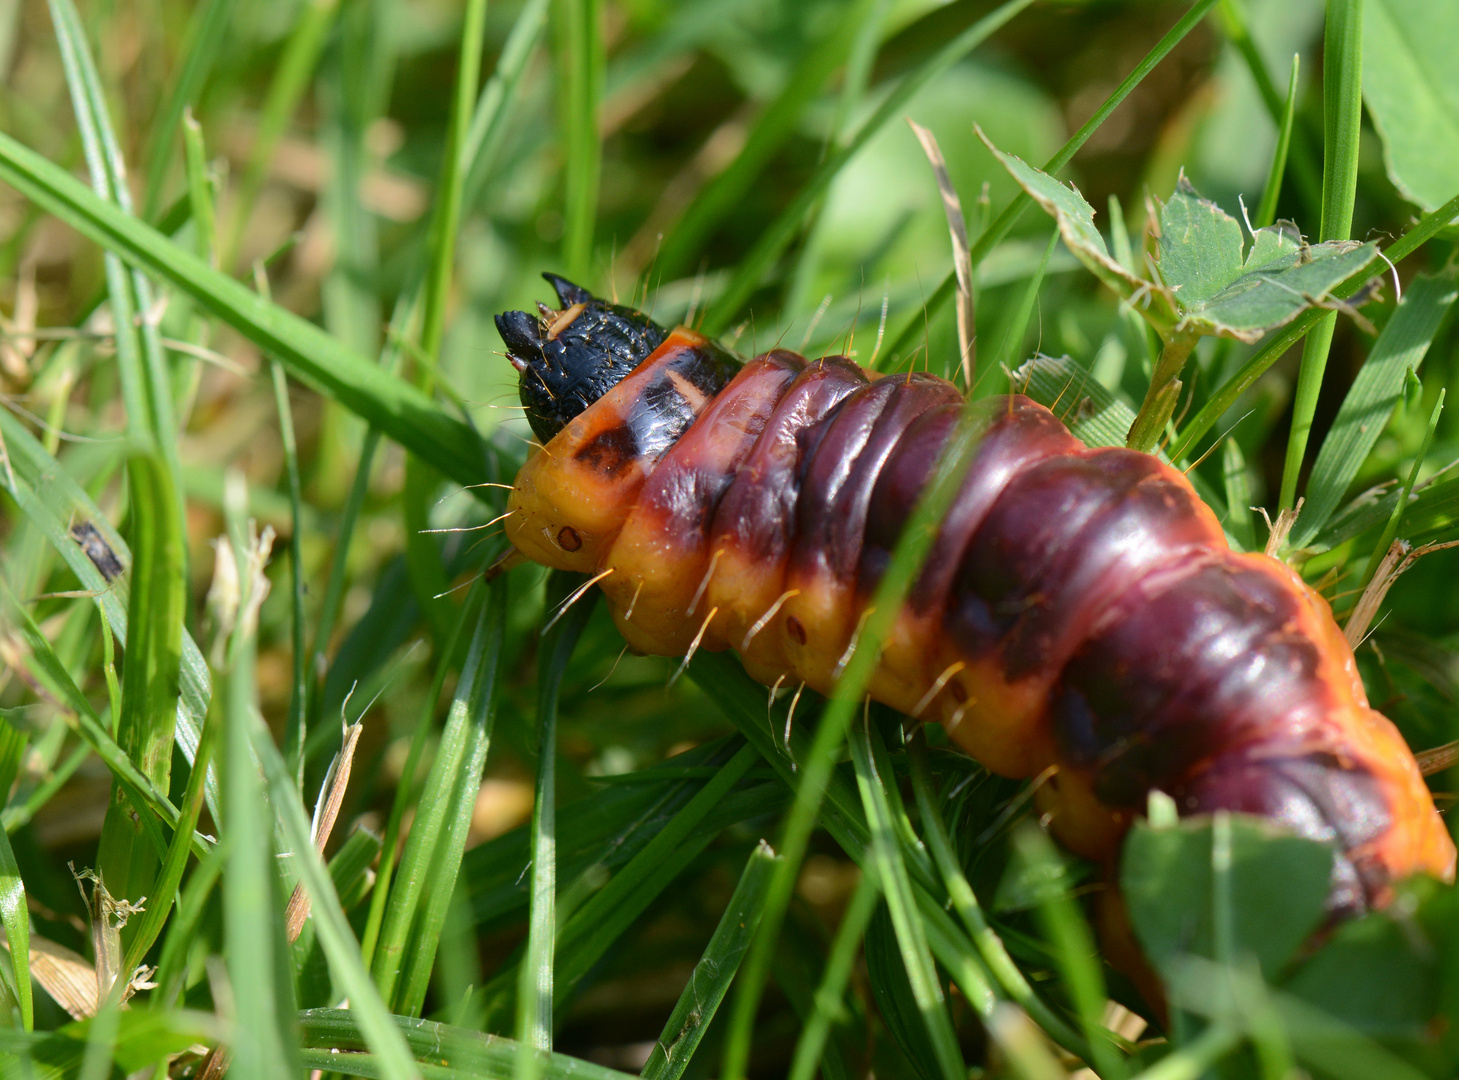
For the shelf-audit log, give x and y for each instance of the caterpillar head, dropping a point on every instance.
(570, 357)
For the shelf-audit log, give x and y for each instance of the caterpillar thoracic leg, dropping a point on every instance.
(1080, 615)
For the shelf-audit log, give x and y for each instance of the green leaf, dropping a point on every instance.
(1075, 219)
(1373, 397)
(314, 357)
(1411, 85)
(1276, 888)
(716, 969)
(1221, 290)
(16, 920)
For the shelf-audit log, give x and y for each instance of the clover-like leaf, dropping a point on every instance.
(1075, 219)
(1221, 289)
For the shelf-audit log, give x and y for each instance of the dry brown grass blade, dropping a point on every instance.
(1400, 556)
(1439, 758)
(331, 798)
(67, 976)
(962, 258)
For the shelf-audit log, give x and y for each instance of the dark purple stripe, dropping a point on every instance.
(757, 512)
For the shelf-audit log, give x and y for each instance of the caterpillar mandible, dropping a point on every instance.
(1080, 613)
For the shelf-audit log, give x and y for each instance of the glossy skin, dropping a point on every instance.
(1081, 615)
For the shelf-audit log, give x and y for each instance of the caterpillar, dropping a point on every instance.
(1081, 615)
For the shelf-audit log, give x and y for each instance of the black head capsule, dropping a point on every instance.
(571, 357)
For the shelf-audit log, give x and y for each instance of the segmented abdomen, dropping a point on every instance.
(1080, 615)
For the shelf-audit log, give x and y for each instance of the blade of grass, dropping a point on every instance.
(445, 865)
(470, 1054)
(175, 861)
(1266, 211)
(1238, 495)
(259, 971)
(207, 31)
(716, 969)
(294, 726)
(438, 830)
(580, 81)
(423, 549)
(1019, 316)
(313, 356)
(1342, 115)
(16, 919)
(829, 1007)
(965, 902)
(291, 77)
(1390, 530)
(897, 886)
(405, 789)
(535, 975)
(1289, 335)
(1072, 943)
(330, 923)
(501, 92)
(778, 235)
(1373, 397)
(1304, 162)
(150, 685)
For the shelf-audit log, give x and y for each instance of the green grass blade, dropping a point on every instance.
(1373, 397)
(1222, 400)
(1010, 214)
(1016, 326)
(207, 32)
(776, 123)
(259, 971)
(438, 832)
(291, 78)
(1237, 488)
(470, 1054)
(191, 906)
(16, 919)
(715, 971)
(294, 726)
(829, 1006)
(1304, 162)
(779, 233)
(1266, 210)
(593, 928)
(1342, 115)
(169, 877)
(892, 872)
(990, 946)
(580, 81)
(500, 94)
(150, 685)
(405, 790)
(446, 221)
(1072, 943)
(314, 357)
(535, 976)
(330, 924)
(446, 863)
(1390, 530)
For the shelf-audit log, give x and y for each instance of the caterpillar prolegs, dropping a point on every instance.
(1080, 613)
